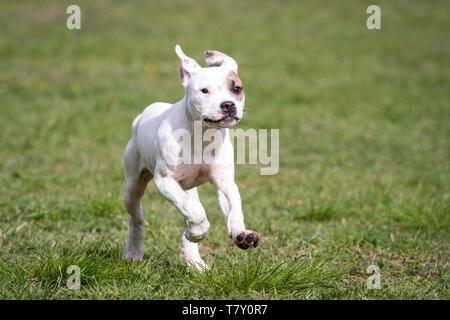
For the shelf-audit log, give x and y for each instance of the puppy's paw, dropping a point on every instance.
(133, 251)
(198, 265)
(246, 239)
(129, 256)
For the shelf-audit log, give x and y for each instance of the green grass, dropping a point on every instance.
(364, 148)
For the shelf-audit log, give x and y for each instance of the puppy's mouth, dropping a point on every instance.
(225, 119)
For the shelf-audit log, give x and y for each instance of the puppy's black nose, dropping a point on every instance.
(228, 107)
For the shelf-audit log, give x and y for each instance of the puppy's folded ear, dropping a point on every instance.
(188, 66)
(215, 58)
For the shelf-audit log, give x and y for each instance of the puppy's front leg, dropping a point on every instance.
(230, 205)
(196, 223)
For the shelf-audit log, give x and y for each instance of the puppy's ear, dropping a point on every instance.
(215, 58)
(188, 66)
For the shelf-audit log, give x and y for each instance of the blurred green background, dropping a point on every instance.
(364, 147)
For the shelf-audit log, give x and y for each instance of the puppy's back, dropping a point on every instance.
(150, 112)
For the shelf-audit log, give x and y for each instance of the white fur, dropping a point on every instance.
(155, 148)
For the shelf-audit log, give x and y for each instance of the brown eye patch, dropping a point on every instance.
(235, 85)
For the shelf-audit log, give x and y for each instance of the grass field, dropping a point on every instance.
(364, 148)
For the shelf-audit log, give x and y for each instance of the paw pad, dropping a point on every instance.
(247, 239)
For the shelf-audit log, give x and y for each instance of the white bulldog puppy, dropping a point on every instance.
(213, 102)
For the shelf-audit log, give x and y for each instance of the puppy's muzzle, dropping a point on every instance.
(229, 110)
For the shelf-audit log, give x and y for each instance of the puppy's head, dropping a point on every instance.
(215, 95)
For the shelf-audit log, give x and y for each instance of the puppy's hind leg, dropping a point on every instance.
(136, 180)
(192, 255)
(190, 249)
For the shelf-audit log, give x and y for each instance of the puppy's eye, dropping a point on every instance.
(237, 89)
(205, 90)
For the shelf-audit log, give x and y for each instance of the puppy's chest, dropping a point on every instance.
(190, 176)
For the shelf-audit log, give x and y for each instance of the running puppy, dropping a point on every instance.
(214, 101)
